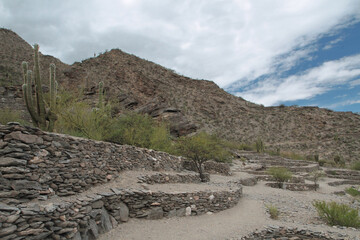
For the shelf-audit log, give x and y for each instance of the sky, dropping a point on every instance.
(289, 52)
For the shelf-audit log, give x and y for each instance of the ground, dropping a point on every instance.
(247, 216)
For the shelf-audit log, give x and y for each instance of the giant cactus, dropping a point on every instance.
(42, 115)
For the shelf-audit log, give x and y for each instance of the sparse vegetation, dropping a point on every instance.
(353, 191)
(356, 166)
(337, 214)
(339, 161)
(315, 176)
(259, 146)
(140, 130)
(280, 175)
(201, 148)
(273, 211)
(9, 115)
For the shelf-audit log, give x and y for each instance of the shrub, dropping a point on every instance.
(201, 148)
(352, 191)
(315, 176)
(339, 161)
(356, 166)
(141, 131)
(78, 118)
(280, 175)
(9, 115)
(337, 214)
(273, 211)
(259, 146)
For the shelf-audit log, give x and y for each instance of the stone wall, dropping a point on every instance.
(282, 233)
(210, 167)
(295, 186)
(87, 217)
(34, 164)
(171, 178)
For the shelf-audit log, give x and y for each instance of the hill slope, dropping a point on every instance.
(190, 105)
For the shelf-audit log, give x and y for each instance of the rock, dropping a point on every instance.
(105, 224)
(181, 212)
(94, 232)
(24, 184)
(26, 138)
(7, 161)
(4, 207)
(172, 213)
(188, 211)
(32, 231)
(156, 213)
(14, 170)
(8, 230)
(97, 204)
(124, 212)
(36, 160)
(12, 218)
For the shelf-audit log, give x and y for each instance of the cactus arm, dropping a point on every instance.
(39, 93)
(27, 92)
(51, 116)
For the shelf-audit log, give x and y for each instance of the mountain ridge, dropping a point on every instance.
(132, 83)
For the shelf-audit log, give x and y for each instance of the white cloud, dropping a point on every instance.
(224, 41)
(313, 82)
(343, 103)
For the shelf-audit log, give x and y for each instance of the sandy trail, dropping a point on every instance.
(244, 217)
(247, 216)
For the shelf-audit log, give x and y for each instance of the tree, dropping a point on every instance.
(280, 175)
(315, 176)
(201, 148)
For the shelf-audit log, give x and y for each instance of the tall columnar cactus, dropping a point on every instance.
(101, 95)
(42, 115)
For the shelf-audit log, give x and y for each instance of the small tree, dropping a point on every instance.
(315, 177)
(280, 175)
(201, 148)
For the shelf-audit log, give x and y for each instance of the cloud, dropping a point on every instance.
(315, 81)
(223, 41)
(343, 103)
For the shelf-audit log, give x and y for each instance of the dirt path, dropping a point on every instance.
(247, 216)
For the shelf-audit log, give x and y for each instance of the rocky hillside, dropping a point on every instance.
(190, 105)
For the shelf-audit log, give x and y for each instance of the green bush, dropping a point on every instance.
(9, 115)
(201, 148)
(352, 191)
(338, 214)
(141, 131)
(280, 175)
(273, 211)
(356, 166)
(259, 145)
(76, 117)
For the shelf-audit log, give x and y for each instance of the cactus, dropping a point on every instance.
(101, 95)
(43, 116)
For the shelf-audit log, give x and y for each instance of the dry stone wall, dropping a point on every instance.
(283, 233)
(87, 217)
(40, 172)
(34, 164)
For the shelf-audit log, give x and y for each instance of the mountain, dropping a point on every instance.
(189, 105)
